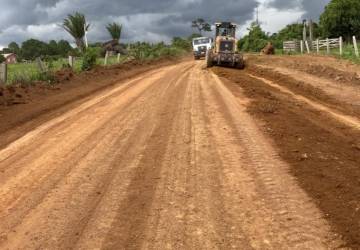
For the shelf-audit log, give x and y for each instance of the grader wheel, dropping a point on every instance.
(209, 61)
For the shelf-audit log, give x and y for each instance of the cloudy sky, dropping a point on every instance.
(144, 20)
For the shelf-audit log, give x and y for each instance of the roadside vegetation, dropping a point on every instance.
(54, 54)
(340, 18)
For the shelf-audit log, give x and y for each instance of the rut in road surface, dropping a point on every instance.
(168, 160)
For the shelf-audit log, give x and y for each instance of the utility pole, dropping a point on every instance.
(257, 16)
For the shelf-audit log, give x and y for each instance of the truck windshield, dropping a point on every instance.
(226, 32)
(201, 41)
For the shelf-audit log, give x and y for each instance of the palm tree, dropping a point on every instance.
(76, 26)
(114, 30)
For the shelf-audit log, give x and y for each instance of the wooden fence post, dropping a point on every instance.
(317, 46)
(106, 58)
(327, 46)
(3, 73)
(355, 46)
(302, 46)
(341, 43)
(40, 65)
(307, 46)
(118, 58)
(71, 61)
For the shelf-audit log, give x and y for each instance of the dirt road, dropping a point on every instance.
(172, 159)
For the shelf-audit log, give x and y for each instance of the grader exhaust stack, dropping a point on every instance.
(225, 51)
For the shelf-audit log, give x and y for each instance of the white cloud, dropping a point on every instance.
(272, 19)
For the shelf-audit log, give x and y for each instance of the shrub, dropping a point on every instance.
(2, 58)
(89, 59)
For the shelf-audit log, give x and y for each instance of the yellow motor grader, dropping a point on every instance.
(225, 51)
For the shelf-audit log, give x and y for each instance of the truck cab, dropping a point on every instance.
(200, 46)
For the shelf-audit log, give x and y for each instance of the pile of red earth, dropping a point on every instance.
(268, 50)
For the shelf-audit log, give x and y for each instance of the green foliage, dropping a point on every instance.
(114, 30)
(53, 48)
(255, 41)
(76, 25)
(64, 48)
(33, 48)
(341, 18)
(201, 25)
(181, 43)
(147, 51)
(292, 32)
(14, 48)
(89, 58)
(2, 58)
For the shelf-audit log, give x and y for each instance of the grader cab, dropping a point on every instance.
(225, 51)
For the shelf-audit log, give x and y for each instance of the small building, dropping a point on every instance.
(10, 58)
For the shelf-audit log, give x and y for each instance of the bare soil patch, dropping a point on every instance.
(23, 107)
(323, 154)
(312, 92)
(342, 71)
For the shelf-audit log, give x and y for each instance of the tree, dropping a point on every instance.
(53, 48)
(63, 48)
(76, 26)
(341, 18)
(255, 41)
(181, 43)
(2, 58)
(114, 30)
(33, 48)
(292, 32)
(201, 25)
(14, 48)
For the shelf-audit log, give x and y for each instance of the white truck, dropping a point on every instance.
(200, 46)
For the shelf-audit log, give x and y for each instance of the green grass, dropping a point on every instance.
(29, 72)
(348, 53)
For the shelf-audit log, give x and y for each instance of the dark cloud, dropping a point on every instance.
(143, 19)
(312, 8)
(153, 20)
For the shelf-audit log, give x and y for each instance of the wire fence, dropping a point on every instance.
(31, 71)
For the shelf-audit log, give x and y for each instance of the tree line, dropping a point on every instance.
(33, 48)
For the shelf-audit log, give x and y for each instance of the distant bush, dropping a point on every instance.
(2, 58)
(147, 51)
(89, 58)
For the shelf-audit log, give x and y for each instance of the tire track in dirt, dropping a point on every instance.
(292, 220)
(108, 142)
(189, 201)
(320, 151)
(129, 227)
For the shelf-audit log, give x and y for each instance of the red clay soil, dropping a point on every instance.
(342, 71)
(306, 89)
(323, 154)
(22, 107)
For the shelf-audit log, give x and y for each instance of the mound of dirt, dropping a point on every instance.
(268, 50)
(13, 95)
(64, 75)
